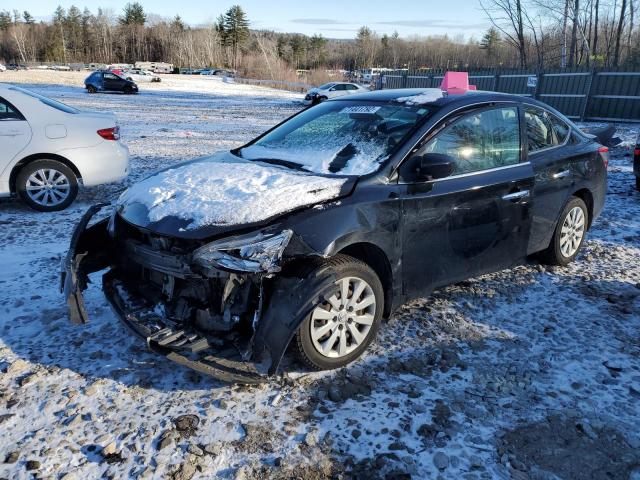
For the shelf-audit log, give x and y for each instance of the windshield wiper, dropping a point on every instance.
(284, 163)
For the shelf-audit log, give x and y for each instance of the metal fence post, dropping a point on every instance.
(587, 97)
(538, 90)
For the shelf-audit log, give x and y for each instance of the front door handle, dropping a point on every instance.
(562, 174)
(516, 195)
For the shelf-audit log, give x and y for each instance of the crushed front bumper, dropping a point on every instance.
(223, 356)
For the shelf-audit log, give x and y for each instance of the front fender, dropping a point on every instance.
(292, 299)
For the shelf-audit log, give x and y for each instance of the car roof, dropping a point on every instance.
(471, 96)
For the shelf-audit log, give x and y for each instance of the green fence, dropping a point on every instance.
(579, 94)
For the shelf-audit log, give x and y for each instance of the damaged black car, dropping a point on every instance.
(312, 234)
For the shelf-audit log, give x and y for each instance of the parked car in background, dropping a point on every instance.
(140, 75)
(15, 66)
(48, 149)
(103, 81)
(312, 233)
(636, 162)
(331, 90)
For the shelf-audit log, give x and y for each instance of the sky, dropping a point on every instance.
(330, 18)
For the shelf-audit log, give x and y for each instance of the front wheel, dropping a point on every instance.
(47, 185)
(569, 234)
(91, 89)
(346, 320)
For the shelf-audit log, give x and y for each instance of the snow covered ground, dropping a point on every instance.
(532, 372)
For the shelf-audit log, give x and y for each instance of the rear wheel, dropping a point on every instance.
(47, 185)
(569, 234)
(342, 324)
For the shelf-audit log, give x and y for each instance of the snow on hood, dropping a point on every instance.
(227, 190)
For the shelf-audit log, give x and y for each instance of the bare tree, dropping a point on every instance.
(507, 16)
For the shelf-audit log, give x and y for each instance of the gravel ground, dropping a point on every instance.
(532, 372)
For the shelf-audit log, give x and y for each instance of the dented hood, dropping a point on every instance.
(218, 194)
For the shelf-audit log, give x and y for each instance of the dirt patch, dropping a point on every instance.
(571, 448)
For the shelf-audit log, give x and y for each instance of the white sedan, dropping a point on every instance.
(48, 149)
(331, 90)
(140, 75)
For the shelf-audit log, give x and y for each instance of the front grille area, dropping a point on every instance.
(159, 269)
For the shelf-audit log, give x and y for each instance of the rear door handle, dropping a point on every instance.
(516, 195)
(562, 174)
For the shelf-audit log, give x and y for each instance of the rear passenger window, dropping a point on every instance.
(8, 111)
(544, 130)
(480, 141)
(560, 129)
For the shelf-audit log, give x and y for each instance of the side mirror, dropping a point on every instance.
(432, 166)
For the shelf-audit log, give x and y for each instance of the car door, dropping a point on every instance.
(476, 220)
(551, 157)
(337, 90)
(112, 82)
(15, 133)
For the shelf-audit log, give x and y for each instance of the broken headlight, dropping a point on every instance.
(246, 253)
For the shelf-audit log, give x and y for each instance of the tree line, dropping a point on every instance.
(524, 33)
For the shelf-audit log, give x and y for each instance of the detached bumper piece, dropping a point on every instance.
(220, 357)
(73, 279)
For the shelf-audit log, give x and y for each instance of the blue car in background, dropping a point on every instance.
(104, 81)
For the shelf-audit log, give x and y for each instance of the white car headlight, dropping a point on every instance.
(246, 253)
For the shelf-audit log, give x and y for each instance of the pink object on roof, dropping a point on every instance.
(456, 83)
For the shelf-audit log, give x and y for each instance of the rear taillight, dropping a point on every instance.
(604, 153)
(110, 133)
(636, 152)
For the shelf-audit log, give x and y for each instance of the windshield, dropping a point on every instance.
(47, 101)
(342, 138)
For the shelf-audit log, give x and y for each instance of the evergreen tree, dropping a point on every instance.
(133, 14)
(5, 20)
(491, 42)
(28, 18)
(177, 23)
(236, 30)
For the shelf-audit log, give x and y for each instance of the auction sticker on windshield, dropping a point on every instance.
(360, 109)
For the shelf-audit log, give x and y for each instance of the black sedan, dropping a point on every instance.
(104, 81)
(313, 233)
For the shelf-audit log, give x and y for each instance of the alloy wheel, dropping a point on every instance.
(572, 232)
(342, 323)
(48, 187)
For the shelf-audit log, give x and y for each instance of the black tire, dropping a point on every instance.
(343, 267)
(91, 89)
(638, 183)
(30, 168)
(553, 255)
(128, 90)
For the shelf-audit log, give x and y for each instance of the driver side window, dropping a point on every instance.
(479, 141)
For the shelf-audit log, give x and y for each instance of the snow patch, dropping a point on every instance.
(427, 96)
(225, 189)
